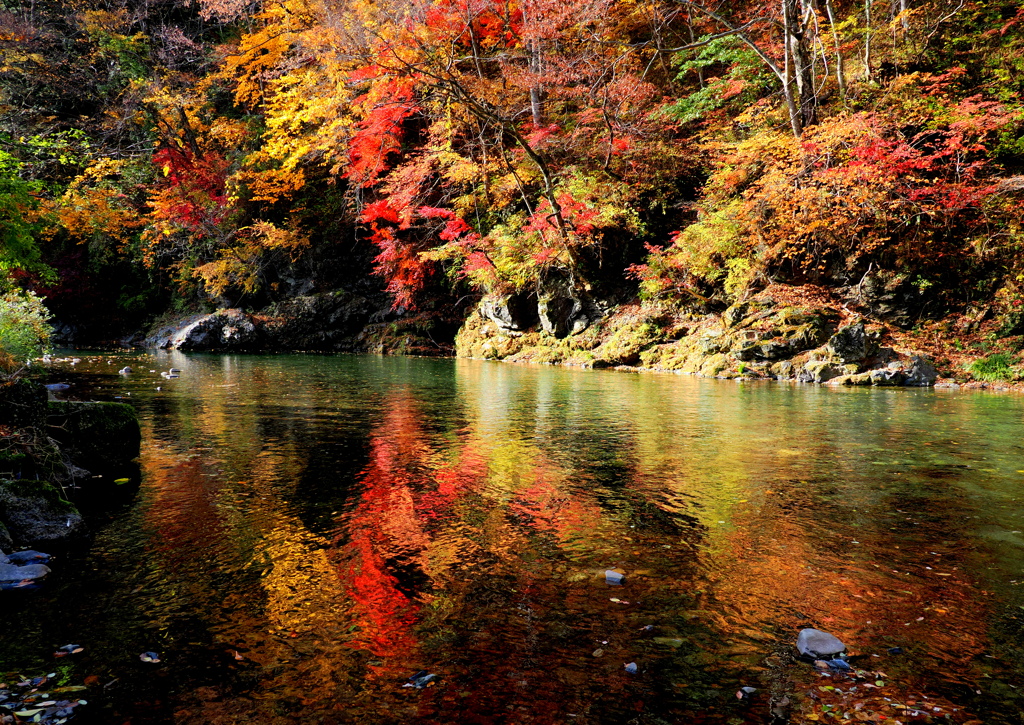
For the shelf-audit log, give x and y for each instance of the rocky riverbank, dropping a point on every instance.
(53, 457)
(803, 334)
(337, 321)
(784, 333)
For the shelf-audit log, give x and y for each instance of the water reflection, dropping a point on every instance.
(311, 531)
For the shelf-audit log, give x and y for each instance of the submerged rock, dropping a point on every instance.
(819, 645)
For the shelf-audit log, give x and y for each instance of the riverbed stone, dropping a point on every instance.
(35, 513)
(818, 644)
(14, 573)
(921, 373)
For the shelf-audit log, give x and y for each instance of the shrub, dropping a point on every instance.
(24, 331)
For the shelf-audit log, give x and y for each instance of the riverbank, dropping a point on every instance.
(797, 333)
(805, 334)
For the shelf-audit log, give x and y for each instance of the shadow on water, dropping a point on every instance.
(312, 531)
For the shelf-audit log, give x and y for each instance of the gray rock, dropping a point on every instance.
(850, 344)
(886, 377)
(735, 313)
(782, 370)
(818, 644)
(560, 312)
(922, 373)
(614, 577)
(223, 330)
(14, 573)
(564, 309)
(28, 556)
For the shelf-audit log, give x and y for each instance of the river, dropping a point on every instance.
(312, 531)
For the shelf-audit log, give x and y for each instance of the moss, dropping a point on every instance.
(627, 343)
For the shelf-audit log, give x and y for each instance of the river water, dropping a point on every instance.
(311, 531)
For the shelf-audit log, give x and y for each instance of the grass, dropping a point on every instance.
(992, 368)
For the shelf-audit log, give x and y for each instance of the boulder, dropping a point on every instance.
(228, 330)
(99, 437)
(889, 297)
(819, 371)
(819, 645)
(921, 373)
(850, 344)
(782, 370)
(735, 313)
(886, 377)
(35, 513)
(328, 321)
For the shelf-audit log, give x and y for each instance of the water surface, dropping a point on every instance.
(310, 531)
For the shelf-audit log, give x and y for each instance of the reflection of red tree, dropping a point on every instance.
(383, 526)
(456, 535)
(183, 509)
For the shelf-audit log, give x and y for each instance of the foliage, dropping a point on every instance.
(688, 151)
(24, 331)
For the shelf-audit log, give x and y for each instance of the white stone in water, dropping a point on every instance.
(614, 577)
(815, 643)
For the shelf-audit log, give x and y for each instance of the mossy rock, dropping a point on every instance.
(97, 436)
(34, 512)
(626, 344)
(714, 365)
